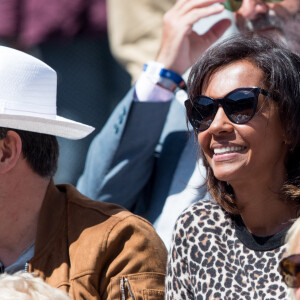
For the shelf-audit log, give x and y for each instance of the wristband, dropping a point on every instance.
(163, 77)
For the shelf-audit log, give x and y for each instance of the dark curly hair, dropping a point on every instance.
(282, 79)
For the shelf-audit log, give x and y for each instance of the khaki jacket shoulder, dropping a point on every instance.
(97, 250)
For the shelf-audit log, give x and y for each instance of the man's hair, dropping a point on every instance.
(24, 286)
(40, 150)
(282, 79)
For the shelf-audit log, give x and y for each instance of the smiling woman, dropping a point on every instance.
(244, 108)
(252, 150)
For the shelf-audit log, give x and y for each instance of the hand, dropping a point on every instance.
(181, 46)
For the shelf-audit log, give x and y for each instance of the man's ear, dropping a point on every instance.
(10, 151)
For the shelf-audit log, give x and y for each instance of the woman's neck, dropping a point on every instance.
(263, 210)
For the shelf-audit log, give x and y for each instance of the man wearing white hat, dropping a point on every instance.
(91, 250)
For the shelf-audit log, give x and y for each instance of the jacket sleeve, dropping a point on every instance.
(136, 261)
(121, 157)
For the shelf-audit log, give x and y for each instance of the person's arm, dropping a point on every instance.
(135, 262)
(120, 158)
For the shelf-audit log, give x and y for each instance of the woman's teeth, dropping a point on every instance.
(228, 149)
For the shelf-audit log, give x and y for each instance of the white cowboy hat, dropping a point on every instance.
(28, 97)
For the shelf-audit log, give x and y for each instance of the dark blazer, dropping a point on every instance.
(141, 157)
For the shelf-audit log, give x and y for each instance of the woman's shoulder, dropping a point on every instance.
(205, 212)
(203, 207)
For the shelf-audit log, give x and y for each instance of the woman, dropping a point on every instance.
(244, 107)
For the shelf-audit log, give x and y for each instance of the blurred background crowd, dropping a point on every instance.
(87, 42)
(70, 36)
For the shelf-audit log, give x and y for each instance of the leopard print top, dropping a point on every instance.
(213, 256)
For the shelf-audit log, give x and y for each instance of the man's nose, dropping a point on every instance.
(251, 9)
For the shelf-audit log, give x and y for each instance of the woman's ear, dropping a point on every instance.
(10, 151)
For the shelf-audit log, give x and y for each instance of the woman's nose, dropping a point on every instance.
(220, 123)
(252, 9)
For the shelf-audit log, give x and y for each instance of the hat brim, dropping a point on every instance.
(59, 126)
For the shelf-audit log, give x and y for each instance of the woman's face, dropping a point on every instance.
(251, 151)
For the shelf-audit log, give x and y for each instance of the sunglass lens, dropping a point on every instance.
(290, 270)
(240, 106)
(291, 281)
(202, 113)
(273, 1)
(233, 5)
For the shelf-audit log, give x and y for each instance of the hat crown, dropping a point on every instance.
(27, 85)
(28, 97)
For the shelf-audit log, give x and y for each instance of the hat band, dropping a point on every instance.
(31, 109)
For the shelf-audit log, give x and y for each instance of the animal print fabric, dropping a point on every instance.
(208, 261)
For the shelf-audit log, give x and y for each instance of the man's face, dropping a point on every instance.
(281, 20)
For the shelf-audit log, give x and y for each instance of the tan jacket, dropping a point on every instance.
(96, 250)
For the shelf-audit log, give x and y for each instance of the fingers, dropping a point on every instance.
(183, 7)
(218, 29)
(195, 15)
(200, 43)
(181, 19)
(179, 45)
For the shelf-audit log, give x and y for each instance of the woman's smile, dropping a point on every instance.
(228, 153)
(228, 149)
